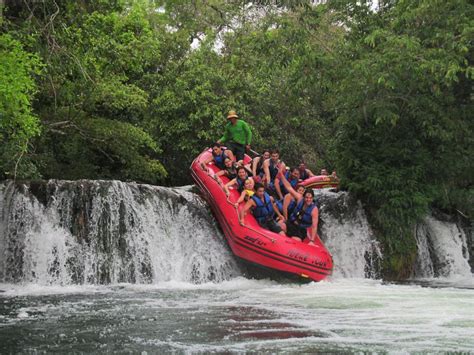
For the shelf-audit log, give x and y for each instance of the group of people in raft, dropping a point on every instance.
(271, 192)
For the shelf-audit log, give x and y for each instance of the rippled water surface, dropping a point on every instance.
(346, 315)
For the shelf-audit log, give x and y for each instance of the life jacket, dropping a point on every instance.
(303, 174)
(291, 206)
(240, 183)
(279, 204)
(293, 183)
(273, 170)
(219, 160)
(304, 219)
(263, 211)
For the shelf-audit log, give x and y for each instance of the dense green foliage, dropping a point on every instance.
(18, 123)
(133, 90)
(404, 109)
(91, 99)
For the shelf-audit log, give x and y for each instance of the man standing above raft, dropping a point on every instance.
(237, 135)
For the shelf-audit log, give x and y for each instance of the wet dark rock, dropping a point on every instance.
(340, 205)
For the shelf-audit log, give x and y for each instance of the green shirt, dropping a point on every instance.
(239, 133)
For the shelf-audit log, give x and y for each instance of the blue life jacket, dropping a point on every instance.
(291, 206)
(303, 174)
(219, 160)
(279, 204)
(273, 170)
(305, 220)
(263, 211)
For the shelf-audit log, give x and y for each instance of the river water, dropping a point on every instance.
(240, 315)
(106, 266)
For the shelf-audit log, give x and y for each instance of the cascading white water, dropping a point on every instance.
(79, 233)
(442, 250)
(348, 236)
(424, 267)
(91, 232)
(108, 232)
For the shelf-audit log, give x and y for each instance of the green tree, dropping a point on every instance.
(18, 123)
(402, 107)
(91, 102)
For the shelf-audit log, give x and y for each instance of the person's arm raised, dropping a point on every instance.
(266, 170)
(288, 186)
(286, 202)
(254, 165)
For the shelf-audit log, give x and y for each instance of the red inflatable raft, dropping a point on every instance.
(320, 182)
(253, 243)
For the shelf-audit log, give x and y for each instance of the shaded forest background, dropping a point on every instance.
(134, 90)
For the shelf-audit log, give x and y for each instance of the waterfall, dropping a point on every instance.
(424, 267)
(90, 232)
(442, 250)
(348, 236)
(99, 232)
